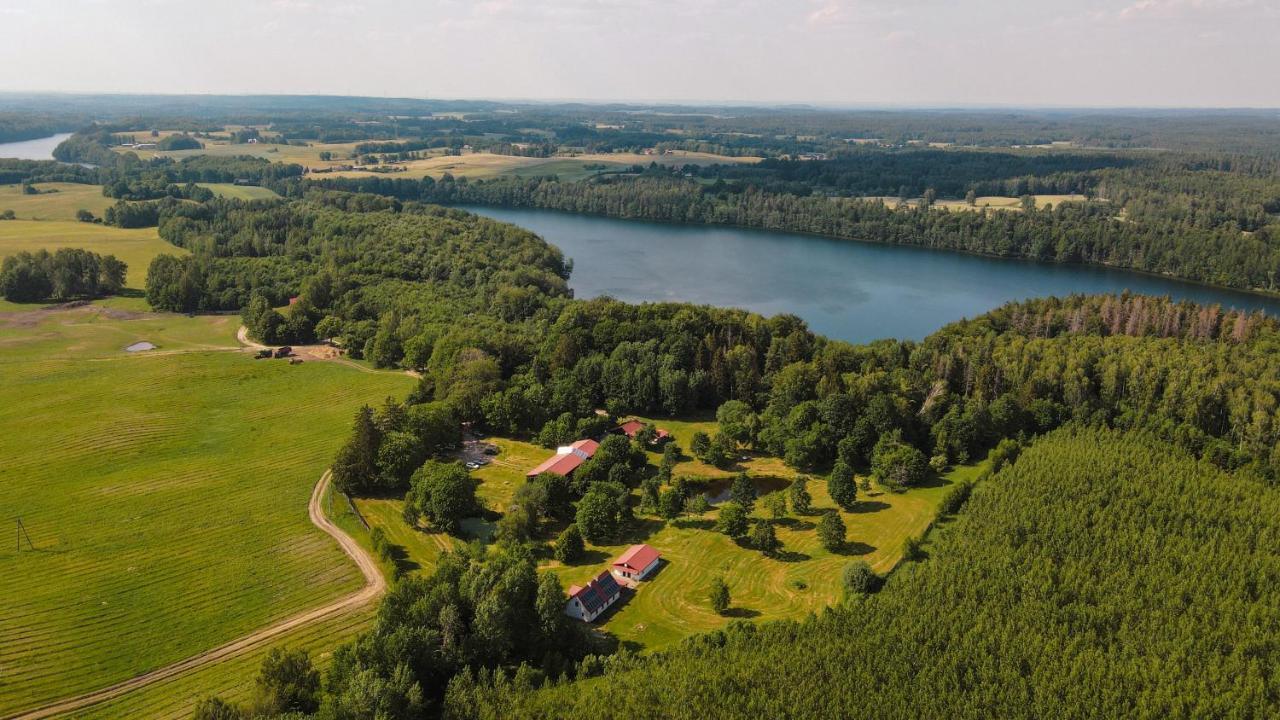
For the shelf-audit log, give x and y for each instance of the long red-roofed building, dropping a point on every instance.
(567, 459)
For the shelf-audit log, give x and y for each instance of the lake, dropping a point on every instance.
(844, 289)
(38, 149)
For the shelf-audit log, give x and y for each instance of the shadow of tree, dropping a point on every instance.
(789, 556)
(869, 506)
(693, 523)
(741, 613)
(642, 529)
(855, 548)
(794, 524)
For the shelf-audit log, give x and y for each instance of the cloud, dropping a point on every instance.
(825, 14)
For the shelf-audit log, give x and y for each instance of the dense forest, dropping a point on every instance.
(1101, 575)
(16, 127)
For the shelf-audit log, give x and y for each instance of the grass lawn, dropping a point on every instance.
(136, 247)
(56, 201)
(165, 493)
(240, 192)
(803, 578)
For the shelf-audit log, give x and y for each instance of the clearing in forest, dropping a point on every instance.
(804, 577)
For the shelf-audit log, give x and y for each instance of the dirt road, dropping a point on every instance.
(375, 585)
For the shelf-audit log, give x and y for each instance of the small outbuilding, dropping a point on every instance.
(631, 428)
(587, 602)
(637, 563)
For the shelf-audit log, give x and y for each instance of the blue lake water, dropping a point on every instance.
(38, 149)
(849, 290)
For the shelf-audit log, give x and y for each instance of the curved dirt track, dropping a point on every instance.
(375, 585)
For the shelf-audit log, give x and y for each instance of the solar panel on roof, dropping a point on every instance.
(608, 586)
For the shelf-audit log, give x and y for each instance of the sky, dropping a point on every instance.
(1097, 53)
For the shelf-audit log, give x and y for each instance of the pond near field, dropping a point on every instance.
(721, 490)
(38, 149)
(844, 289)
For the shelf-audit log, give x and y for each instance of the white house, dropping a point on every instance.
(588, 601)
(637, 563)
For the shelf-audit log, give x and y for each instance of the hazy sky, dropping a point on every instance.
(933, 52)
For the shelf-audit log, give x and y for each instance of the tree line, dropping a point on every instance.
(65, 274)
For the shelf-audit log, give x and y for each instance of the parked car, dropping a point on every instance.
(263, 353)
(285, 351)
(473, 466)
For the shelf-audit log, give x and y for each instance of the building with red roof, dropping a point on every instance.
(567, 459)
(631, 427)
(637, 562)
(587, 602)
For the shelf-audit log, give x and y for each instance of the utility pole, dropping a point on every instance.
(22, 533)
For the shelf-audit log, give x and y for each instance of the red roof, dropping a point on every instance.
(637, 558)
(631, 427)
(567, 459)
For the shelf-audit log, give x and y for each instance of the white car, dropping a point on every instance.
(473, 466)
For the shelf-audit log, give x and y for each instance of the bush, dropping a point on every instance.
(831, 531)
(842, 486)
(860, 579)
(955, 498)
(913, 549)
(896, 464)
(763, 538)
(801, 500)
(719, 596)
(1005, 453)
(569, 545)
(732, 520)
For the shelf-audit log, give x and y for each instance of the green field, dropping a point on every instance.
(56, 201)
(136, 247)
(240, 192)
(165, 493)
(803, 578)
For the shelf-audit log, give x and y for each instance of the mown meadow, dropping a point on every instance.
(802, 578)
(165, 495)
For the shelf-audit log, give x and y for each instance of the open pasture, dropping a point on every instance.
(56, 201)
(135, 246)
(240, 192)
(308, 155)
(568, 167)
(165, 494)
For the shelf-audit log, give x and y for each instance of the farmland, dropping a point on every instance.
(985, 202)
(239, 192)
(803, 578)
(56, 201)
(136, 247)
(576, 167)
(167, 518)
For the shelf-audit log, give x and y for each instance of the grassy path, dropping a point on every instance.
(375, 585)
